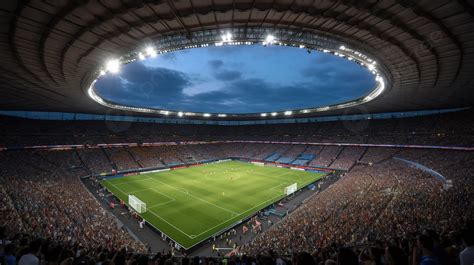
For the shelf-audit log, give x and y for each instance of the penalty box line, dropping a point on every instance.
(152, 212)
(201, 199)
(209, 229)
(170, 199)
(271, 199)
(132, 181)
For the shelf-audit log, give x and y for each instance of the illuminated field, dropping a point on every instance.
(192, 204)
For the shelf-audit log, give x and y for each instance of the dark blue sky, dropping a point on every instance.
(237, 79)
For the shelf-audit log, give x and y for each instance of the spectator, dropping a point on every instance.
(466, 257)
(9, 254)
(426, 246)
(347, 257)
(31, 258)
(395, 256)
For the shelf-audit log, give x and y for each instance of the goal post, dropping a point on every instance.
(136, 204)
(291, 189)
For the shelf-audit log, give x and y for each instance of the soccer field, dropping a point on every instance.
(192, 204)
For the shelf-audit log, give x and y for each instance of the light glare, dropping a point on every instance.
(151, 51)
(270, 39)
(113, 66)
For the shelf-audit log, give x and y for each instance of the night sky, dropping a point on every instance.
(237, 79)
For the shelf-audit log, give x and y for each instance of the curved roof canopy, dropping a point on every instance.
(52, 51)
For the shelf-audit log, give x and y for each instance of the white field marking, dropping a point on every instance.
(171, 199)
(133, 191)
(278, 186)
(194, 236)
(163, 194)
(256, 206)
(163, 203)
(131, 181)
(170, 224)
(119, 189)
(198, 198)
(236, 216)
(184, 233)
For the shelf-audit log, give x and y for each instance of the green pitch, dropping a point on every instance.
(192, 204)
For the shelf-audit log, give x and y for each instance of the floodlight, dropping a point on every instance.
(113, 66)
(102, 72)
(151, 51)
(180, 114)
(288, 112)
(165, 112)
(141, 56)
(342, 47)
(270, 39)
(207, 115)
(274, 114)
(227, 37)
(263, 114)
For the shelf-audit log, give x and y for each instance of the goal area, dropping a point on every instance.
(291, 189)
(136, 204)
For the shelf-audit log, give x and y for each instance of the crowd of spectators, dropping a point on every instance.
(382, 211)
(48, 200)
(443, 129)
(386, 204)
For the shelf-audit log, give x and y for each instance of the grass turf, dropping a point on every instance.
(192, 204)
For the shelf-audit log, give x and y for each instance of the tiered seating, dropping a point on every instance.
(121, 158)
(327, 156)
(284, 160)
(147, 156)
(348, 157)
(273, 157)
(96, 160)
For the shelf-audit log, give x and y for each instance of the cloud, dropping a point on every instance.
(215, 64)
(228, 75)
(257, 95)
(140, 85)
(231, 86)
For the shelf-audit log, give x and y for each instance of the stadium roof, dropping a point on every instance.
(51, 50)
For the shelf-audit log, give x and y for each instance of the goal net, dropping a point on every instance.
(136, 204)
(291, 189)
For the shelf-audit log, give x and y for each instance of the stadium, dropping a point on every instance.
(237, 132)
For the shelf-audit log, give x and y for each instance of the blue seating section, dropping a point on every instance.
(306, 156)
(285, 160)
(272, 157)
(303, 159)
(300, 162)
